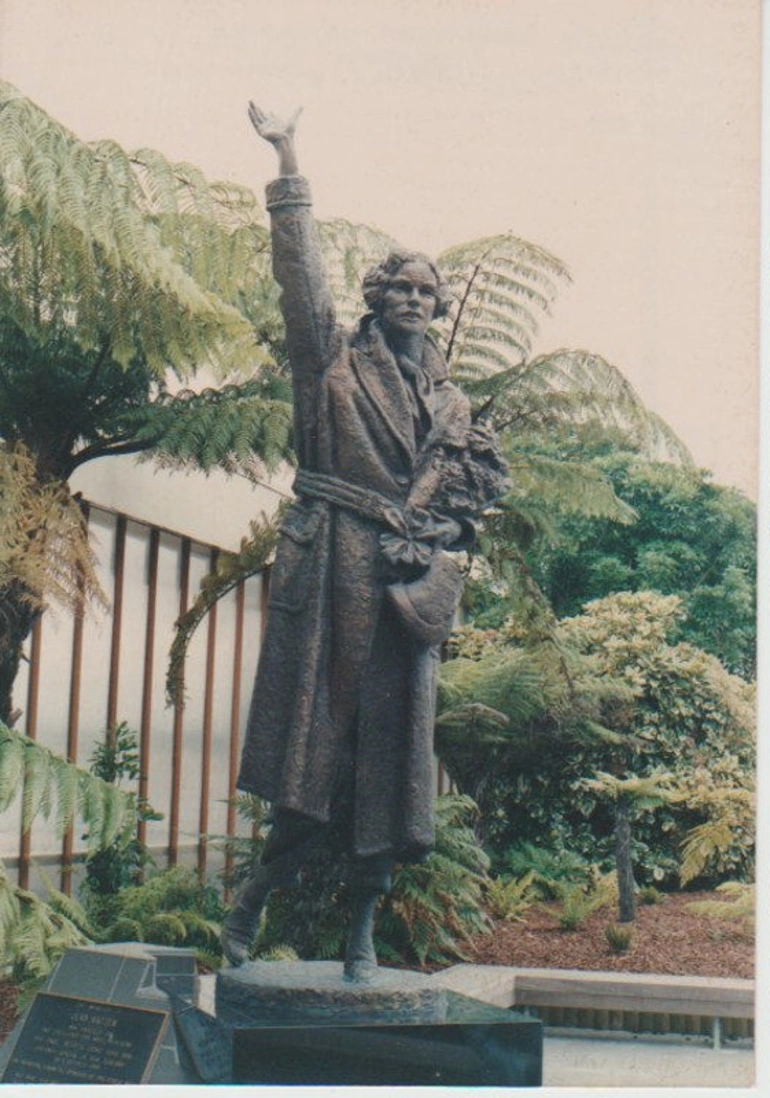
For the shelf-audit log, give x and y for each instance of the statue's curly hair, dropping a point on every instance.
(377, 279)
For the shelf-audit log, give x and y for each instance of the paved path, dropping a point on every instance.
(617, 1062)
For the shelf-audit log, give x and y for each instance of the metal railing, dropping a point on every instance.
(87, 672)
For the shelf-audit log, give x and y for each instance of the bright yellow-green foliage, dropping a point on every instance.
(740, 907)
(43, 539)
(129, 248)
(509, 898)
(723, 793)
(50, 786)
(34, 933)
(501, 284)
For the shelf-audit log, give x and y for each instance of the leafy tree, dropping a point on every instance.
(691, 538)
(121, 276)
(523, 736)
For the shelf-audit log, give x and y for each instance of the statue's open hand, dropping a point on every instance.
(270, 127)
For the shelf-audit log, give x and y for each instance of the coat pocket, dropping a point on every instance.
(295, 558)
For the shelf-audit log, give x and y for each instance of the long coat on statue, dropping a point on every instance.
(345, 688)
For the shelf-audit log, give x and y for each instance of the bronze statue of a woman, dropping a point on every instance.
(391, 474)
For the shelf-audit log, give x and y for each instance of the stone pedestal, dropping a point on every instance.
(138, 1013)
(302, 1023)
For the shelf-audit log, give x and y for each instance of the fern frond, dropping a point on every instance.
(741, 907)
(501, 285)
(34, 934)
(231, 569)
(48, 778)
(44, 547)
(103, 241)
(238, 428)
(349, 250)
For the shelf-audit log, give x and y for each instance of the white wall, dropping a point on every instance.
(214, 509)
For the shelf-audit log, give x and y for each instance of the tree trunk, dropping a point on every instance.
(17, 616)
(625, 869)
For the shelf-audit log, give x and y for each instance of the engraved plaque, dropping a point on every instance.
(67, 1040)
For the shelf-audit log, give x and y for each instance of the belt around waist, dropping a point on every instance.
(362, 501)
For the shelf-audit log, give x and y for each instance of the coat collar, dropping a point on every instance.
(379, 376)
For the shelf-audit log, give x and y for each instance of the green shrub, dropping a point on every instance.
(550, 867)
(123, 861)
(578, 901)
(509, 898)
(171, 908)
(622, 691)
(650, 895)
(619, 938)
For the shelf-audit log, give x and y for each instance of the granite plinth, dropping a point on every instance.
(400, 1030)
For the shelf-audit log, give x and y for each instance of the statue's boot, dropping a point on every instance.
(360, 959)
(286, 849)
(241, 924)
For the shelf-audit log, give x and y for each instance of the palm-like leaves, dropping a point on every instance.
(44, 779)
(87, 249)
(231, 569)
(501, 286)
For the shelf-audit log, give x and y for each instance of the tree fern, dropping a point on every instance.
(240, 428)
(501, 285)
(44, 778)
(91, 214)
(349, 250)
(730, 823)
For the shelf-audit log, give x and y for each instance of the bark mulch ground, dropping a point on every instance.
(668, 939)
(9, 995)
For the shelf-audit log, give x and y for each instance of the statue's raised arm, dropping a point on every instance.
(306, 302)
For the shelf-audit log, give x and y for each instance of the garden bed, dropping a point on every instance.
(668, 939)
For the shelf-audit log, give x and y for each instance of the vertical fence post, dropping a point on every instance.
(33, 694)
(264, 598)
(208, 710)
(176, 749)
(117, 618)
(149, 661)
(73, 714)
(235, 727)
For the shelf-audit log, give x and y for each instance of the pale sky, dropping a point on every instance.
(623, 135)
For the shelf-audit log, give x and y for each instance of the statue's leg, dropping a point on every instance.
(371, 881)
(287, 847)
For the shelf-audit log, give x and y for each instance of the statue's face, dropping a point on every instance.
(409, 302)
